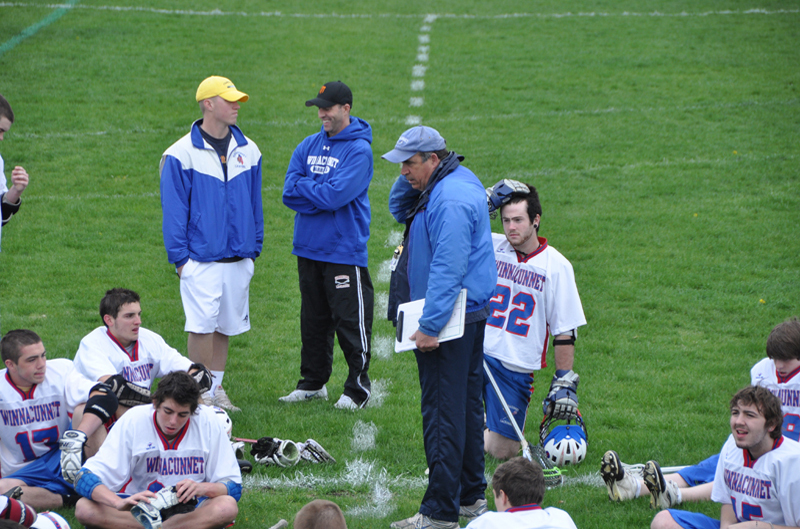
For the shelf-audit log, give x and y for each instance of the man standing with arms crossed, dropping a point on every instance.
(326, 185)
(450, 248)
(213, 226)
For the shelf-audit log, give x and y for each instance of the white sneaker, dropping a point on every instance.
(621, 486)
(420, 521)
(302, 395)
(664, 494)
(221, 400)
(470, 512)
(346, 403)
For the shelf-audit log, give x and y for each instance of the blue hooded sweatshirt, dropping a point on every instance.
(326, 184)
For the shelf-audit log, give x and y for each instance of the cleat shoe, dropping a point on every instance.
(238, 449)
(221, 400)
(207, 398)
(71, 446)
(14, 493)
(420, 521)
(313, 452)
(346, 403)
(621, 486)
(664, 494)
(147, 515)
(470, 512)
(302, 395)
(245, 466)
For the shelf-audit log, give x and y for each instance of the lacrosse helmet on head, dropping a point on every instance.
(564, 444)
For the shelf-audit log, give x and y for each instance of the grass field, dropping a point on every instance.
(664, 139)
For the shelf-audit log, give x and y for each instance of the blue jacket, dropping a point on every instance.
(207, 217)
(449, 245)
(326, 184)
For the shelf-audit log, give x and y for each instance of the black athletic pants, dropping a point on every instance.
(338, 299)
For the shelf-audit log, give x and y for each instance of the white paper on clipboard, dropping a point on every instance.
(408, 315)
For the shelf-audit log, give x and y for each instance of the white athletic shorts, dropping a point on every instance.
(216, 296)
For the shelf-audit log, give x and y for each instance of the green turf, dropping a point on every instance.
(663, 138)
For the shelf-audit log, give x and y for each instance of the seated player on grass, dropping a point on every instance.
(757, 479)
(518, 488)
(779, 372)
(170, 461)
(127, 358)
(37, 397)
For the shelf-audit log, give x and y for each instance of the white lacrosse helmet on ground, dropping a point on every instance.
(224, 420)
(50, 520)
(566, 445)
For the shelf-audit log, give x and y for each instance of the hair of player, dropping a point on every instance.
(12, 343)
(521, 480)
(9, 524)
(180, 387)
(532, 198)
(784, 341)
(5, 109)
(320, 514)
(115, 299)
(768, 405)
(441, 154)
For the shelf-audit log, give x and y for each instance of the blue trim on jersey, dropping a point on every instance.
(516, 388)
(693, 520)
(702, 472)
(86, 482)
(234, 489)
(45, 472)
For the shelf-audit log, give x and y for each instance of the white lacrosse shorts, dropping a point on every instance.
(216, 296)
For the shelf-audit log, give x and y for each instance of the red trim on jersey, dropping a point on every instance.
(173, 444)
(529, 507)
(546, 343)
(749, 460)
(126, 485)
(787, 378)
(24, 395)
(537, 251)
(133, 355)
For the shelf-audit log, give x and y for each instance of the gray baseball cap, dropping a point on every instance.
(414, 140)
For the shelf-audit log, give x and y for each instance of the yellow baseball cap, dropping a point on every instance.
(220, 86)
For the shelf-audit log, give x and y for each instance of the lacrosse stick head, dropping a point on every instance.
(552, 474)
(224, 419)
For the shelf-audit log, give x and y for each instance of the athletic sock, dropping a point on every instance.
(217, 380)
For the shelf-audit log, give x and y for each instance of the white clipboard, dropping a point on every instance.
(408, 315)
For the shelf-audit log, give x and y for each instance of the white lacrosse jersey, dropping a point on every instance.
(32, 423)
(136, 456)
(100, 354)
(524, 517)
(534, 299)
(766, 489)
(787, 389)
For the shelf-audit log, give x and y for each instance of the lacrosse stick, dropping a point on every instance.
(280, 525)
(552, 474)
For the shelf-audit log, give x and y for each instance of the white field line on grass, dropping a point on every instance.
(305, 123)
(419, 69)
(279, 14)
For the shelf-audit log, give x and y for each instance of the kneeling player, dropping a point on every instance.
(158, 460)
(36, 398)
(536, 296)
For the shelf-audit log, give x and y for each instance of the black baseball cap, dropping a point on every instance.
(333, 93)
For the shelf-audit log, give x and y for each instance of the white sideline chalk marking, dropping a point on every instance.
(416, 101)
(413, 120)
(383, 346)
(417, 85)
(364, 436)
(418, 70)
(379, 392)
(394, 239)
(422, 57)
(428, 18)
(384, 272)
(424, 39)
